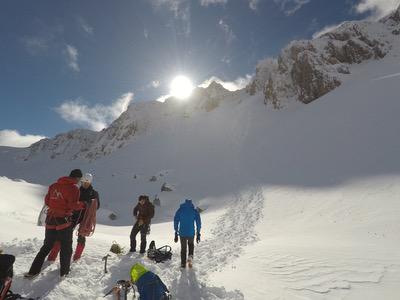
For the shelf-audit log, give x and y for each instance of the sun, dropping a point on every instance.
(181, 87)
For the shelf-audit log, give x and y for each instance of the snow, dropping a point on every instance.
(300, 203)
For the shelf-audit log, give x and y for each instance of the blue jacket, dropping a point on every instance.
(150, 287)
(184, 219)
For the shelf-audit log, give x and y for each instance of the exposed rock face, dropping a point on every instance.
(310, 82)
(166, 188)
(307, 70)
(77, 141)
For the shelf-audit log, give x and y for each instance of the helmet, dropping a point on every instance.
(87, 178)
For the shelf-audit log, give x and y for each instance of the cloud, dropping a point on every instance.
(35, 44)
(326, 29)
(379, 8)
(290, 7)
(13, 138)
(85, 26)
(232, 86)
(226, 60)
(146, 33)
(155, 84)
(163, 98)
(72, 57)
(180, 9)
(96, 117)
(253, 4)
(208, 2)
(235, 85)
(228, 32)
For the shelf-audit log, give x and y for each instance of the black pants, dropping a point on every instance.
(51, 236)
(143, 231)
(185, 242)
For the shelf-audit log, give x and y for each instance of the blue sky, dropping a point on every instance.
(78, 64)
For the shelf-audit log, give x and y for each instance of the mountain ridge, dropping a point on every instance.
(303, 72)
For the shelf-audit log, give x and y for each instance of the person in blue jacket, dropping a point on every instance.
(185, 218)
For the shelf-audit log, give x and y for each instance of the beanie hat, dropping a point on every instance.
(87, 178)
(76, 173)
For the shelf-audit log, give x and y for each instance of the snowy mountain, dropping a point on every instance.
(304, 71)
(299, 203)
(307, 70)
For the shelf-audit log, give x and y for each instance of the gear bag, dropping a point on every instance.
(159, 255)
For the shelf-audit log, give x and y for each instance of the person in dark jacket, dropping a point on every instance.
(62, 199)
(184, 224)
(143, 212)
(87, 195)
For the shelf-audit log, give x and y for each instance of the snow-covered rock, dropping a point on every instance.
(306, 70)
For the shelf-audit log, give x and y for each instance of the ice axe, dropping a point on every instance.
(105, 263)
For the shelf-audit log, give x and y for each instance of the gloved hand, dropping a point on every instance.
(81, 205)
(176, 237)
(198, 235)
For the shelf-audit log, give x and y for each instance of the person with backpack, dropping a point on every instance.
(149, 284)
(184, 224)
(143, 212)
(88, 195)
(62, 199)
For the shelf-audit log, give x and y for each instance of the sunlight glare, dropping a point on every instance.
(181, 87)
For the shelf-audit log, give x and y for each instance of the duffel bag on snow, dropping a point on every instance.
(159, 255)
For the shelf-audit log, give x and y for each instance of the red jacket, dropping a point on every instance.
(63, 197)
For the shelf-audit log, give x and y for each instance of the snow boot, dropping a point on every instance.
(190, 261)
(78, 251)
(54, 252)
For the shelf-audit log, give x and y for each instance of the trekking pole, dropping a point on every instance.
(105, 263)
(109, 292)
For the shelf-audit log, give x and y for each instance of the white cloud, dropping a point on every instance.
(35, 44)
(146, 33)
(253, 4)
(72, 57)
(235, 85)
(228, 32)
(85, 26)
(13, 138)
(163, 98)
(96, 117)
(155, 84)
(379, 8)
(290, 7)
(208, 2)
(226, 60)
(326, 29)
(180, 9)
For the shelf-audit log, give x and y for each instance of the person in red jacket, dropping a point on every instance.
(87, 195)
(62, 199)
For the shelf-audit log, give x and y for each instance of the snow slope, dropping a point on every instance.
(311, 212)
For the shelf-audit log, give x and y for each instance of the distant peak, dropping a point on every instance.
(214, 84)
